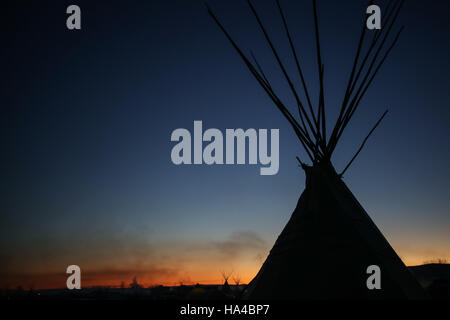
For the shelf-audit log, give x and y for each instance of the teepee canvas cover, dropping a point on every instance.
(330, 241)
(326, 247)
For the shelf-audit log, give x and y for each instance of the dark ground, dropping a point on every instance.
(435, 278)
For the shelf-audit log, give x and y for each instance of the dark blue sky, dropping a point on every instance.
(86, 118)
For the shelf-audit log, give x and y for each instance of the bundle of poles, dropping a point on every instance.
(311, 129)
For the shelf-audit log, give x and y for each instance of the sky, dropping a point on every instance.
(86, 176)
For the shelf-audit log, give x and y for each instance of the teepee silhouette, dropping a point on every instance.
(330, 241)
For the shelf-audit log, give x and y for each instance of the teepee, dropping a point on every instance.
(328, 244)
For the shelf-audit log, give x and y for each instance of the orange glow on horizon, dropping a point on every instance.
(113, 278)
(95, 279)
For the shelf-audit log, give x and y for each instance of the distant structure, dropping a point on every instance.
(226, 287)
(237, 280)
(326, 247)
(134, 284)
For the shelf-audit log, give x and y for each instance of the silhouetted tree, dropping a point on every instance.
(438, 261)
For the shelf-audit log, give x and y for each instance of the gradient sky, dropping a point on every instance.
(86, 117)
